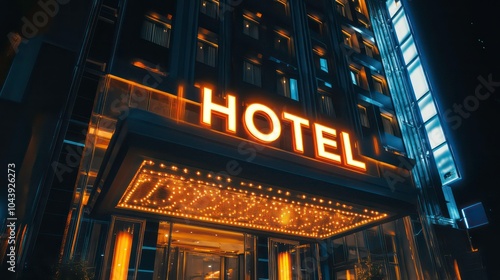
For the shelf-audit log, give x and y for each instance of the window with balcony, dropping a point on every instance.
(281, 42)
(156, 31)
(369, 49)
(209, 8)
(283, 4)
(363, 116)
(326, 102)
(360, 7)
(206, 52)
(251, 27)
(355, 76)
(388, 123)
(347, 38)
(364, 23)
(315, 24)
(320, 59)
(252, 73)
(358, 76)
(379, 85)
(340, 7)
(286, 86)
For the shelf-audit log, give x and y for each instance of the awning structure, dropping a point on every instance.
(179, 191)
(157, 167)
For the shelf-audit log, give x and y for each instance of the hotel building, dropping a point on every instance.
(231, 139)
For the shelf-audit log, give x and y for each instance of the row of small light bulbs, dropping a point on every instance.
(259, 187)
(250, 205)
(186, 171)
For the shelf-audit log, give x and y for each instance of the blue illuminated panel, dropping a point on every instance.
(438, 143)
(474, 215)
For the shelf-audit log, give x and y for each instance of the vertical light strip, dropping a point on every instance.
(457, 269)
(348, 275)
(121, 255)
(284, 266)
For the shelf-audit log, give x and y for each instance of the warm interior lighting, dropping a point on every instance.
(348, 275)
(142, 65)
(121, 255)
(283, 2)
(319, 51)
(153, 90)
(387, 116)
(315, 18)
(202, 239)
(283, 33)
(376, 147)
(101, 133)
(284, 266)
(178, 191)
(457, 270)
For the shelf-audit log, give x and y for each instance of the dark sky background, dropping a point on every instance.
(459, 43)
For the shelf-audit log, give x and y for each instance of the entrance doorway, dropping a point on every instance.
(290, 260)
(198, 253)
(192, 265)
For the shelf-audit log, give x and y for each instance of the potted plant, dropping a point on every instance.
(367, 270)
(72, 270)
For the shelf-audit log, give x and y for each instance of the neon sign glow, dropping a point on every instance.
(329, 145)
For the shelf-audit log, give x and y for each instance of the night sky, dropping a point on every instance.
(459, 44)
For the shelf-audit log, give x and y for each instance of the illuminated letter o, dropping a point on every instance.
(270, 116)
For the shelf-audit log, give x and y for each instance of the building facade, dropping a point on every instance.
(266, 139)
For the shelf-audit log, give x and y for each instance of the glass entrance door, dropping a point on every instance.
(202, 266)
(186, 252)
(290, 260)
(284, 260)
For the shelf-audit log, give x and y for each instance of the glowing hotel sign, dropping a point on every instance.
(328, 144)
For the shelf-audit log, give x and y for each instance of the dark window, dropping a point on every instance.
(355, 78)
(327, 104)
(347, 38)
(339, 248)
(369, 49)
(206, 53)
(251, 73)
(156, 31)
(374, 242)
(251, 28)
(340, 8)
(388, 124)
(281, 42)
(363, 116)
(315, 24)
(209, 8)
(379, 85)
(287, 87)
